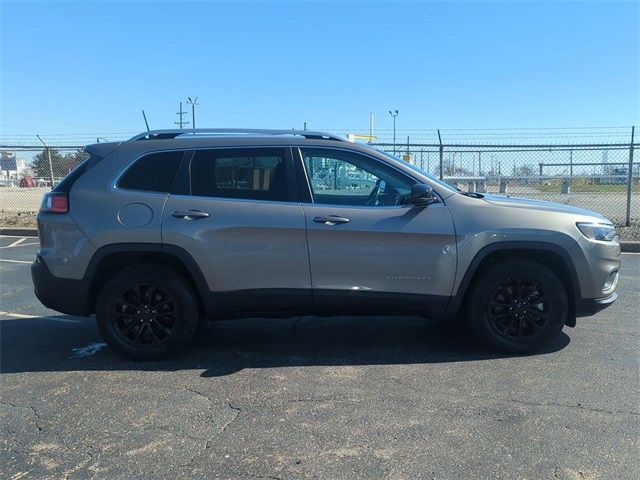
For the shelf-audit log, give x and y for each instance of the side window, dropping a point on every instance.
(249, 173)
(154, 172)
(344, 178)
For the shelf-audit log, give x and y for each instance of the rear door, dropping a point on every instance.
(369, 248)
(235, 211)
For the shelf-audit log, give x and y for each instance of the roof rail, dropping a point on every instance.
(203, 132)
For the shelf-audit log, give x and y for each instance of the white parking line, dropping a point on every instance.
(630, 253)
(14, 261)
(52, 319)
(14, 245)
(17, 242)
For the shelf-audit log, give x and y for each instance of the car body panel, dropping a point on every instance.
(406, 249)
(243, 244)
(481, 222)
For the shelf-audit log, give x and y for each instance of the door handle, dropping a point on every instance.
(331, 220)
(189, 214)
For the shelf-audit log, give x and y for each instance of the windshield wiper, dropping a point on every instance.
(472, 194)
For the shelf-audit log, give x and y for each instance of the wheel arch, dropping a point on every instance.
(550, 255)
(111, 259)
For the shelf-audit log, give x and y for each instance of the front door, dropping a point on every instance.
(236, 215)
(369, 248)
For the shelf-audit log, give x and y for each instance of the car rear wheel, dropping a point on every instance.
(147, 312)
(518, 306)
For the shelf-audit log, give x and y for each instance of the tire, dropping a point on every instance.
(518, 306)
(147, 312)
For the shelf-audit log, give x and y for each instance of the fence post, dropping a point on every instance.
(441, 153)
(49, 157)
(630, 178)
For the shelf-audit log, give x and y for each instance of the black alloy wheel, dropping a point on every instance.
(519, 308)
(147, 312)
(145, 315)
(517, 305)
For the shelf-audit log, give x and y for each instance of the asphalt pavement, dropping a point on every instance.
(349, 397)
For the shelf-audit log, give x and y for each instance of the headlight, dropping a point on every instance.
(597, 231)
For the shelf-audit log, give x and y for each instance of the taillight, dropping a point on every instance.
(55, 202)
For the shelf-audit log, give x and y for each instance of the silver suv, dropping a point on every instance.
(159, 234)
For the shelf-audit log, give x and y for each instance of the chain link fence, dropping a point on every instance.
(601, 177)
(26, 174)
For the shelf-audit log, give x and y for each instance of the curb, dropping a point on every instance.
(630, 246)
(19, 232)
(626, 246)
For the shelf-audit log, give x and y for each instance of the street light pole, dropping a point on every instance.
(394, 114)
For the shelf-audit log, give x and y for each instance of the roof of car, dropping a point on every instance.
(231, 132)
(156, 140)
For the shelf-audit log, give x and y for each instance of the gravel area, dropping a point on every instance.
(17, 219)
(629, 233)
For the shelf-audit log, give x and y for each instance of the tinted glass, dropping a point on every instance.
(252, 173)
(152, 173)
(345, 178)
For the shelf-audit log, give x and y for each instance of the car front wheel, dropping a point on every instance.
(518, 306)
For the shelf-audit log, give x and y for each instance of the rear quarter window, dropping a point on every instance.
(154, 172)
(67, 182)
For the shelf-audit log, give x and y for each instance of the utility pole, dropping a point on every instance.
(180, 121)
(193, 104)
(394, 114)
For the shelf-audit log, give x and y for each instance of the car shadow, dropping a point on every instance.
(53, 344)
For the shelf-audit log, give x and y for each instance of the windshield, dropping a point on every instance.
(420, 171)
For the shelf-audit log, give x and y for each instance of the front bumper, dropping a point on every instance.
(61, 294)
(591, 306)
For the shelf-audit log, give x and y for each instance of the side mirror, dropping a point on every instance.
(422, 195)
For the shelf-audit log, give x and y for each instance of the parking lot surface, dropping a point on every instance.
(367, 397)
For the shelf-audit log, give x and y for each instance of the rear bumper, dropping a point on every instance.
(591, 306)
(61, 294)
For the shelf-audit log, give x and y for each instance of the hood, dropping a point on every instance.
(530, 204)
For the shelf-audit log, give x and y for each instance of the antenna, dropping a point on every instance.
(145, 121)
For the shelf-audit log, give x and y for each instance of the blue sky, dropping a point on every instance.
(91, 67)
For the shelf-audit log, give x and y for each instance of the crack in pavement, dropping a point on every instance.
(207, 441)
(523, 402)
(294, 326)
(57, 435)
(32, 408)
